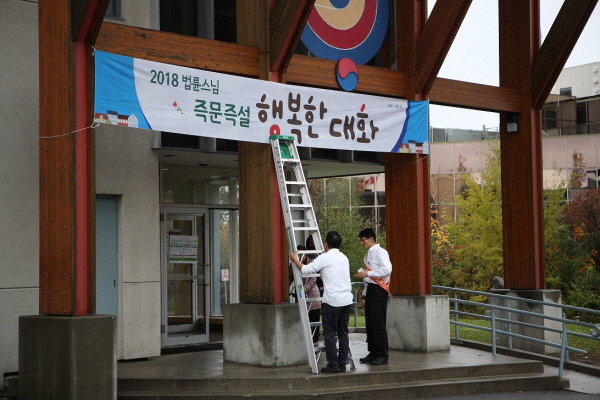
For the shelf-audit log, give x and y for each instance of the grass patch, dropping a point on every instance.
(360, 321)
(592, 346)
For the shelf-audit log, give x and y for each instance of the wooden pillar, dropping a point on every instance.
(407, 177)
(522, 210)
(407, 223)
(262, 276)
(66, 156)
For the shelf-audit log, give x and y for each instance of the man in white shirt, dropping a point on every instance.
(376, 275)
(336, 306)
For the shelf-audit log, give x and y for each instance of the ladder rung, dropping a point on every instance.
(302, 228)
(313, 324)
(315, 251)
(291, 160)
(295, 183)
(313, 299)
(319, 349)
(301, 205)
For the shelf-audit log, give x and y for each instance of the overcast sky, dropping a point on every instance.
(473, 57)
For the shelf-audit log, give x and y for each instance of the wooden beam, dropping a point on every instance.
(185, 51)
(286, 23)
(554, 52)
(318, 72)
(435, 40)
(453, 93)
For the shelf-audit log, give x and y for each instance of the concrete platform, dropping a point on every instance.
(203, 375)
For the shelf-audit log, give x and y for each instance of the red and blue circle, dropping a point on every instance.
(352, 29)
(347, 74)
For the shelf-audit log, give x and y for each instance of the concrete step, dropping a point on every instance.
(385, 384)
(409, 390)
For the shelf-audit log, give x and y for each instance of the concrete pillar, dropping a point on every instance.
(66, 357)
(418, 323)
(267, 335)
(551, 296)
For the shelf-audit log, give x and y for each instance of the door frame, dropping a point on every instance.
(191, 338)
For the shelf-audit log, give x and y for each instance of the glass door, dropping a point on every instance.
(185, 273)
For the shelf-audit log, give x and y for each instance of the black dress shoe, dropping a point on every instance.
(342, 367)
(367, 359)
(330, 368)
(380, 360)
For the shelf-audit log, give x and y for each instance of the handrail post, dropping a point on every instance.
(354, 295)
(455, 317)
(493, 332)
(509, 325)
(563, 348)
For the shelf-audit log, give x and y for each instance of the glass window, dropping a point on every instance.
(582, 113)
(199, 185)
(113, 10)
(549, 115)
(208, 19)
(224, 224)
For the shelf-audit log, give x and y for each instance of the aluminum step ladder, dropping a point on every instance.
(300, 223)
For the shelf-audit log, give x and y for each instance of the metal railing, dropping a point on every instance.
(508, 311)
(357, 288)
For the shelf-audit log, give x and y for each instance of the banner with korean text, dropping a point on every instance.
(163, 97)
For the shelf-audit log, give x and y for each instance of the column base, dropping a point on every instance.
(418, 323)
(267, 335)
(64, 357)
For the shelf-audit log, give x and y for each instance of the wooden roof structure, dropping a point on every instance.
(528, 69)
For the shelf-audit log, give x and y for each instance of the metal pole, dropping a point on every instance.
(455, 317)
(493, 333)
(354, 295)
(562, 348)
(509, 326)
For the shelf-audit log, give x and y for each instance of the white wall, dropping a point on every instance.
(19, 214)
(126, 166)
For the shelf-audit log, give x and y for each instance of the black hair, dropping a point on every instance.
(308, 241)
(333, 240)
(368, 233)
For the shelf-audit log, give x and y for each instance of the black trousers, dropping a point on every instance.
(335, 321)
(375, 320)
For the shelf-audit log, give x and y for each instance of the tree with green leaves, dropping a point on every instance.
(468, 252)
(337, 203)
(476, 234)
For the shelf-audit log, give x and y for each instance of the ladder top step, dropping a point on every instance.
(282, 137)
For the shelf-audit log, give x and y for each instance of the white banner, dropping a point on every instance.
(163, 97)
